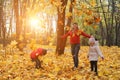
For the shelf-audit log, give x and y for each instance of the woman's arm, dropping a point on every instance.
(84, 34)
(66, 35)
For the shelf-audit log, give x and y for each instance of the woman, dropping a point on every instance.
(75, 34)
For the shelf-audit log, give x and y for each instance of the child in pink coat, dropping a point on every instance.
(94, 52)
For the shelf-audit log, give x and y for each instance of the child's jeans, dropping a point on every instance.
(94, 66)
(75, 50)
(38, 64)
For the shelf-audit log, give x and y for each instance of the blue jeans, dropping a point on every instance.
(75, 50)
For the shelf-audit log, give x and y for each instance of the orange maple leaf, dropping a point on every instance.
(97, 19)
(89, 12)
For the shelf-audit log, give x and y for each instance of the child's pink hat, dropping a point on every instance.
(91, 40)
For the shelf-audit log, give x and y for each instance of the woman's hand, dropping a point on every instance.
(92, 36)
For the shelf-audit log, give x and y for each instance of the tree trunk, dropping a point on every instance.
(1, 19)
(16, 11)
(3, 28)
(69, 21)
(118, 33)
(107, 27)
(112, 22)
(60, 27)
(102, 33)
(117, 30)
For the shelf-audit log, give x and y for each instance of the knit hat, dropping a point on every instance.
(91, 40)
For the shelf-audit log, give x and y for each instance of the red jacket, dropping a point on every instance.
(75, 36)
(36, 53)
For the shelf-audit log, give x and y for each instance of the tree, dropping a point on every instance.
(60, 26)
(109, 11)
(16, 11)
(117, 23)
(2, 23)
(69, 21)
(1, 19)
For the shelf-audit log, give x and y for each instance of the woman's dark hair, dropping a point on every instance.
(75, 23)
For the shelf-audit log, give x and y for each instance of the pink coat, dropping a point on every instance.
(94, 52)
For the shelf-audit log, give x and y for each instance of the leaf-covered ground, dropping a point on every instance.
(18, 66)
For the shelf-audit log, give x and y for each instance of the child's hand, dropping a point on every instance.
(102, 58)
(87, 56)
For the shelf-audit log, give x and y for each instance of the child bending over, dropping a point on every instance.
(35, 54)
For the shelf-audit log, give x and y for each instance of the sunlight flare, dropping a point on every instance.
(34, 22)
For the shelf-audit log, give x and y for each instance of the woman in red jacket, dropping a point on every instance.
(34, 56)
(75, 34)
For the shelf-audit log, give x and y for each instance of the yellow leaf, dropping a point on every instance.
(80, 13)
(21, 38)
(85, 24)
(69, 14)
(83, 5)
(67, 28)
(56, 69)
(94, 27)
(93, 3)
(88, 12)
(51, 75)
(78, 77)
(101, 73)
(17, 78)
(13, 43)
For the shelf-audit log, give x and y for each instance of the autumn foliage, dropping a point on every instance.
(15, 62)
(18, 66)
(88, 13)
